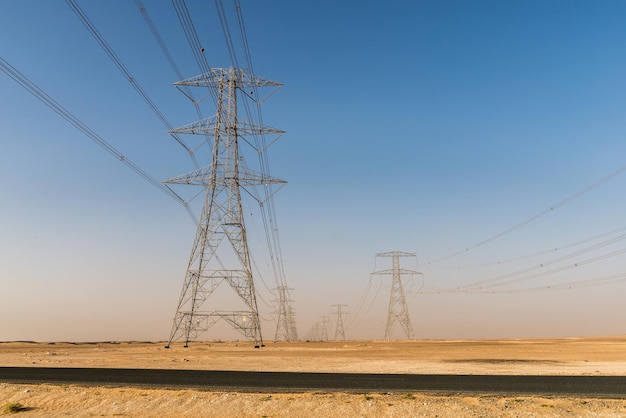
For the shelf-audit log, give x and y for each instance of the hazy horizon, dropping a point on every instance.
(485, 137)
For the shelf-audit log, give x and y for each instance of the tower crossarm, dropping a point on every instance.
(395, 254)
(208, 125)
(215, 76)
(205, 176)
(227, 274)
(400, 271)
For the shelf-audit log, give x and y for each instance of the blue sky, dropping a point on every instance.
(416, 126)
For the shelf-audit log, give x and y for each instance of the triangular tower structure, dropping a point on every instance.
(220, 252)
(340, 334)
(285, 323)
(398, 309)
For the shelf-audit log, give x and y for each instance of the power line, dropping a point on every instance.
(355, 323)
(494, 281)
(542, 252)
(583, 283)
(221, 14)
(127, 74)
(243, 34)
(539, 215)
(558, 269)
(168, 56)
(600, 281)
(192, 38)
(266, 203)
(270, 219)
(33, 89)
(359, 305)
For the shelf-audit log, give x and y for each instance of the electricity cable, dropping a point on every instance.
(544, 252)
(69, 117)
(537, 216)
(127, 74)
(182, 12)
(221, 13)
(359, 305)
(266, 204)
(558, 269)
(263, 158)
(168, 56)
(493, 281)
(600, 281)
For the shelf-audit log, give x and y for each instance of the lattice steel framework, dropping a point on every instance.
(220, 249)
(323, 330)
(285, 324)
(319, 330)
(340, 333)
(398, 310)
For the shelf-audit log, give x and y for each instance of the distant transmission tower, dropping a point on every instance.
(314, 333)
(324, 328)
(285, 324)
(220, 249)
(319, 331)
(398, 310)
(339, 331)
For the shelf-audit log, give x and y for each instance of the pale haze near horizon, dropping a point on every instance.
(424, 127)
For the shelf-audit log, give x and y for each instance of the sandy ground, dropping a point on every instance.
(574, 356)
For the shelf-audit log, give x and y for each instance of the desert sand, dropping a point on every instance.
(571, 356)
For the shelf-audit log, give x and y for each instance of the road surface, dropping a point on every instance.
(287, 382)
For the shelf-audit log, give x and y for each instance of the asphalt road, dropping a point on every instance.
(275, 382)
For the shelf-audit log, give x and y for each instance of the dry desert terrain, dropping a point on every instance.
(571, 356)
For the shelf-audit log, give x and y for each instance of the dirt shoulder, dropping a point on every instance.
(571, 356)
(63, 401)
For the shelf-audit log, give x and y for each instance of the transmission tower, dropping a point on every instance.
(285, 324)
(319, 331)
(398, 310)
(292, 323)
(339, 331)
(310, 336)
(324, 328)
(220, 249)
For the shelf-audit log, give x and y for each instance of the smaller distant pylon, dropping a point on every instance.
(319, 331)
(398, 309)
(340, 334)
(324, 328)
(285, 323)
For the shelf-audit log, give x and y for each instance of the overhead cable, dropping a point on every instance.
(267, 206)
(221, 14)
(557, 270)
(497, 280)
(599, 281)
(65, 114)
(537, 216)
(127, 74)
(182, 12)
(542, 252)
(168, 56)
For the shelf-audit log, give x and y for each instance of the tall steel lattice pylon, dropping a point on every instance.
(285, 324)
(398, 310)
(220, 249)
(340, 334)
